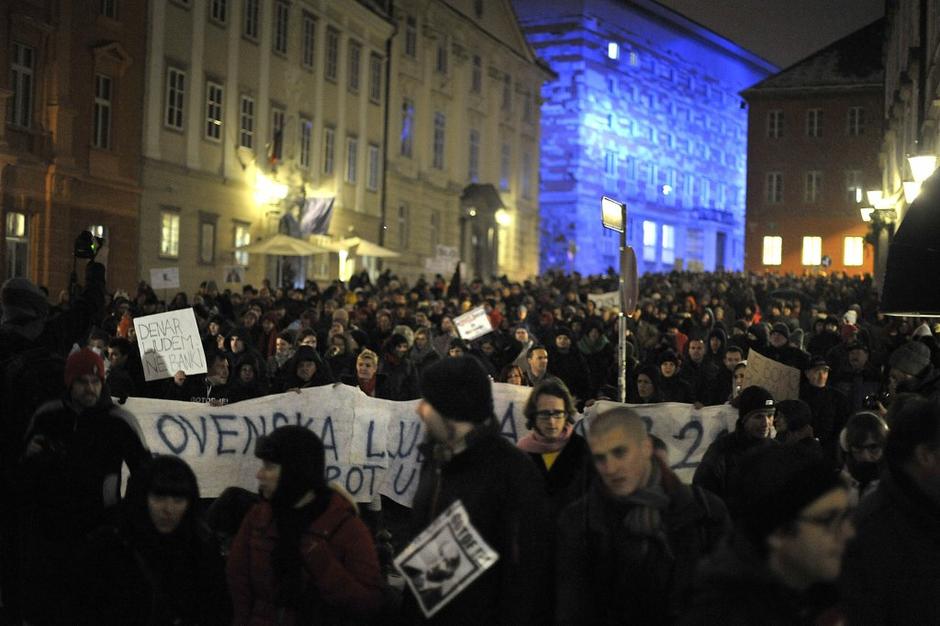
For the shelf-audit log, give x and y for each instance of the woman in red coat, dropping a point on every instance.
(302, 556)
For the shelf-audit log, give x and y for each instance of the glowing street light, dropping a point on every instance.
(268, 190)
(866, 212)
(922, 167)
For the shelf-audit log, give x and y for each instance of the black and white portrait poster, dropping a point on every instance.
(444, 559)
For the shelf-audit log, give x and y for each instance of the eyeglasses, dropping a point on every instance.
(547, 415)
(833, 521)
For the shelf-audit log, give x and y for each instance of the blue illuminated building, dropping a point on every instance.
(645, 109)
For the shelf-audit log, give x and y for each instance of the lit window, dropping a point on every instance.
(169, 234)
(613, 50)
(241, 238)
(213, 111)
(438, 154)
(407, 127)
(21, 83)
(669, 244)
(812, 250)
(854, 251)
(175, 97)
(101, 132)
(17, 244)
(773, 251)
(634, 58)
(372, 181)
(352, 159)
(246, 122)
(281, 13)
(649, 241)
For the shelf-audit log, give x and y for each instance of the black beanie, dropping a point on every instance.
(776, 482)
(752, 399)
(300, 454)
(459, 389)
(796, 412)
(22, 302)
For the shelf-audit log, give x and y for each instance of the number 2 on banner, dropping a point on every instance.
(681, 436)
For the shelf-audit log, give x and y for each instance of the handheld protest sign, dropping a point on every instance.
(170, 342)
(472, 324)
(165, 278)
(782, 381)
(444, 559)
(608, 300)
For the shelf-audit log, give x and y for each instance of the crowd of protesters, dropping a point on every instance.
(813, 510)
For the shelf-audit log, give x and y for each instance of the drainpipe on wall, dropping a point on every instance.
(383, 209)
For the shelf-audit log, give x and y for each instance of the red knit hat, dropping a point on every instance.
(82, 363)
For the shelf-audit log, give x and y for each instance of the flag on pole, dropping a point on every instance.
(316, 215)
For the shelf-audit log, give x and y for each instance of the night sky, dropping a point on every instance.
(781, 31)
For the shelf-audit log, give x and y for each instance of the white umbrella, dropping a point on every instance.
(358, 246)
(283, 245)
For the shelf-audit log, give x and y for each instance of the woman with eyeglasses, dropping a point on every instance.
(562, 456)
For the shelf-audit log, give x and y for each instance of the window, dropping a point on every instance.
(812, 250)
(352, 156)
(775, 124)
(169, 234)
(308, 41)
(634, 58)
(329, 149)
(441, 64)
(206, 239)
(706, 196)
(407, 127)
(527, 109)
(630, 168)
(474, 161)
(372, 181)
(507, 92)
(854, 251)
(252, 19)
(101, 132)
(853, 186)
(695, 243)
(478, 8)
(306, 128)
(613, 50)
(246, 122)
(241, 238)
(610, 162)
(438, 153)
(218, 11)
(175, 97)
(814, 123)
(435, 229)
(505, 167)
(773, 251)
(774, 187)
(278, 121)
(108, 8)
(411, 37)
(375, 78)
(812, 186)
(526, 175)
(17, 244)
(856, 121)
(476, 74)
(332, 54)
(649, 241)
(281, 14)
(213, 111)
(355, 55)
(21, 83)
(402, 226)
(669, 244)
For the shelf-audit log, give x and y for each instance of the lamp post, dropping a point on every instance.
(614, 217)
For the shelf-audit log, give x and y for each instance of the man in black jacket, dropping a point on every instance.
(638, 517)
(467, 459)
(892, 569)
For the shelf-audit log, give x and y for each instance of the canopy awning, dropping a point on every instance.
(283, 245)
(357, 246)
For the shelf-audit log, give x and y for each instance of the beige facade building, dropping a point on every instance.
(463, 149)
(253, 106)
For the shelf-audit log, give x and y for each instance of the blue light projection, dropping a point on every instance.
(660, 127)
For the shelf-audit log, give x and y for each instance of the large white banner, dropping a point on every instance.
(371, 445)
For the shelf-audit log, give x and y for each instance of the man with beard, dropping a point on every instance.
(862, 442)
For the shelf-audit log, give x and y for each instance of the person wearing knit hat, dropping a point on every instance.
(25, 307)
(304, 538)
(753, 429)
(84, 376)
(788, 539)
(794, 425)
(910, 370)
(467, 459)
(779, 348)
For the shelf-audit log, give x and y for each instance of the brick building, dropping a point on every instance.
(814, 133)
(71, 82)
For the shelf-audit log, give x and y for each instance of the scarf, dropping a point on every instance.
(586, 346)
(537, 444)
(644, 509)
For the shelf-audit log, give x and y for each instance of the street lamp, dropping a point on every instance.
(866, 212)
(911, 190)
(922, 167)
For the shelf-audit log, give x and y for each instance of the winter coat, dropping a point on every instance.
(341, 568)
(570, 474)
(572, 369)
(719, 466)
(598, 560)
(734, 587)
(891, 570)
(401, 378)
(505, 498)
(830, 412)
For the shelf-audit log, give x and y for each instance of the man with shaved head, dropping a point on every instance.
(628, 549)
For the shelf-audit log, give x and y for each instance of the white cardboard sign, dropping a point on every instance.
(608, 300)
(165, 278)
(472, 324)
(170, 342)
